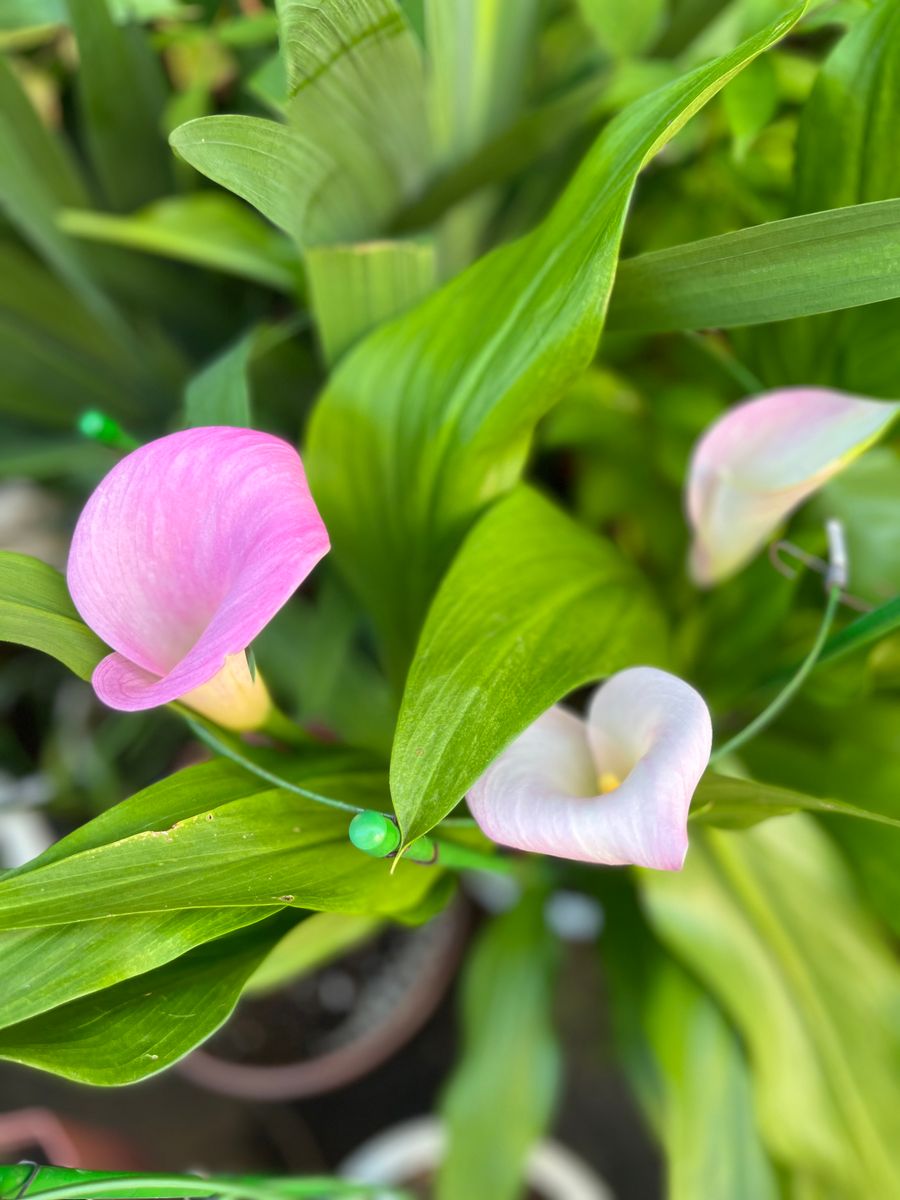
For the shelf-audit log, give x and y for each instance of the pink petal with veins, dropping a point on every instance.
(185, 552)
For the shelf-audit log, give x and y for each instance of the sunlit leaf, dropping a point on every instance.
(355, 288)
(768, 921)
(430, 417)
(533, 607)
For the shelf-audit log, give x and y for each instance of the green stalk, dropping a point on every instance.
(787, 693)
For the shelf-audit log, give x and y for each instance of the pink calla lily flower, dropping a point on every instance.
(760, 460)
(614, 788)
(182, 555)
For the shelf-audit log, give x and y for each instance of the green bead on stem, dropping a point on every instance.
(374, 833)
(100, 427)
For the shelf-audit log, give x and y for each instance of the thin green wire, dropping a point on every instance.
(790, 689)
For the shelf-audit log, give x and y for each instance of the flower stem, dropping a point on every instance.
(790, 689)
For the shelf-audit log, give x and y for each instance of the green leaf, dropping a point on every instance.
(155, 852)
(734, 803)
(206, 228)
(355, 145)
(311, 944)
(768, 921)
(59, 358)
(791, 268)
(356, 87)
(500, 1098)
(478, 52)
(121, 94)
(355, 288)
(533, 607)
(624, 27)
(846, 139)
(139, 1027)
(273, 167)
(44, 968)
(430, 417)
(37, 611)
(48, 155)
(220, 393)
(704, 1110)
(37, 180)
(846, 154)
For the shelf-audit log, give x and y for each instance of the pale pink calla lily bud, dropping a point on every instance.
(182, 555)
(614, 788)
(762, 459)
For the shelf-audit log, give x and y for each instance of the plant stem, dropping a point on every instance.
(228, 751)
(787, 693)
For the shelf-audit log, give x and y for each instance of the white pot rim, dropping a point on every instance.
(413, 1147)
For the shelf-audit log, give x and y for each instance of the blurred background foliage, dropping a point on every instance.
(197, 226)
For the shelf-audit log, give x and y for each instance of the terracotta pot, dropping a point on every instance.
(411, 1152)
(40, 1135)
(398, 994)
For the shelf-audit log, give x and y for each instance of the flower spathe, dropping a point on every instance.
(182, 555)
(760, 460)
(613, 788)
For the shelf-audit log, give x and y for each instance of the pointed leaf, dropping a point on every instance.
(533, 607)
(768, 921)
(430, 416)
(791, 268)
(355, 288)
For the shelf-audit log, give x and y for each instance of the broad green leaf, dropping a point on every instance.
(43, 968)
(121, 93)
(269, 847)
(37, 611)
(500, 1097)
(430, 417)
(139, 1027)
(273, 167)
(790, 268)
(311, 944)
(355, 288)
(704, 1109)
(220, 393)
(355, 143)
(735, 803)
(624, 27)
(533, 607)
(356, 87)
(846, 139)
(478, 55)
(768, 921)
(206, 228)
